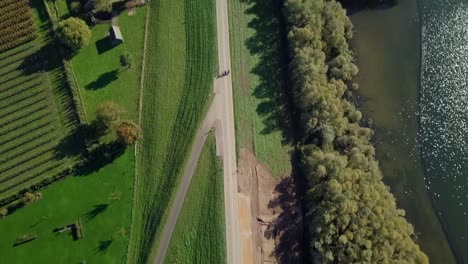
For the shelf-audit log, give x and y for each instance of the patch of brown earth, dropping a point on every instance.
(272, 207)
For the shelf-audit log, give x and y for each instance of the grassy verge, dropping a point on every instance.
(199, 236)
(261, 124)
(180, 65)
(105, 221)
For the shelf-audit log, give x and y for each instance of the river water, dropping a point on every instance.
(419, 113)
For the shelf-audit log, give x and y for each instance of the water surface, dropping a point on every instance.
(388, 47)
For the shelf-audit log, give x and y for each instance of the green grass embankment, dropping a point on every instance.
(261, 117)
(199, 235)
(180, 66)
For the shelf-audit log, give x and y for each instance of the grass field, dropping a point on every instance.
(98, 70)
(36, 111)
(199, 236)
(261, 125)
(180, 67)
(86, 198)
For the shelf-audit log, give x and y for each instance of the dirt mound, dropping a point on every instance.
(272, 207)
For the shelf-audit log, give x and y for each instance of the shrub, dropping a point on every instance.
(73, 33)
(75, 8)
(127, 132)
(106, 114)
(126, 60)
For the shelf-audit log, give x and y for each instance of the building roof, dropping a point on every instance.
(115, 33)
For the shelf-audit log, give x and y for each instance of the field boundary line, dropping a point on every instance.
(140, 106)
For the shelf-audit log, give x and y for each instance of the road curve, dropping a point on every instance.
(189, 170)
(221, 117)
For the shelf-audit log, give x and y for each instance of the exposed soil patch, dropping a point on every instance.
(275, 216)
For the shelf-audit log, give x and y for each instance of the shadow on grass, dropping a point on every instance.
(103, 246)
(97, 210)
(103, 45)
(268, 43)
(103, 80)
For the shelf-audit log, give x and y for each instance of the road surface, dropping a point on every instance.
(221, 117)
(223, 88)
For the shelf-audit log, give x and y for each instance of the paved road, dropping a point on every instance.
(223, 88)
(221, 117)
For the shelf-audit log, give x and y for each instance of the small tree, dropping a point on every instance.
(127, 132)
(103, 6)
(126, 60)
(106, 114)
(73, 33)
(75, 8)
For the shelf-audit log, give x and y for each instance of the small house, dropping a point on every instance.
(115, 36)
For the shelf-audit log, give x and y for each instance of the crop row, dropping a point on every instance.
(20, 93)
(18, 41)
(26, 130)
(23, 160)
(15, 18)
(27, 162)
(25, 178)
(23, 150)
(11, 110)
(13, 8)
(15, 31)
(5, 3)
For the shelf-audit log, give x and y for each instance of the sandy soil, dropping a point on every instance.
(272, 208)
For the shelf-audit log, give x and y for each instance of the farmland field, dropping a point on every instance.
(199, 235)
(16, 24)
(258, 84)
(180, 67)
(36, 111)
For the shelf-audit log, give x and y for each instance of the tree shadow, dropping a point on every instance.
(40, 60)
(103, 80)
(269, 44)
(287, 228)
(97, 210)
(103, 246)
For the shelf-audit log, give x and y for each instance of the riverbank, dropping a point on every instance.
(387, 46)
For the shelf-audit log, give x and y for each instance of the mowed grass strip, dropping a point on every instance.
(180, 67)
(199, 235)
(257, 83)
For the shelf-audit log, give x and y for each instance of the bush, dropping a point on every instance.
(75, 8)
(126, 60)
(73, 33)
(127, 132)
(106, 114)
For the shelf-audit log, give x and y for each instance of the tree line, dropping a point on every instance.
(352, 217)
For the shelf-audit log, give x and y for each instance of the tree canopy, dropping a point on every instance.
(352, 215)
(127, 132)
(74, 33)
(107, 114)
